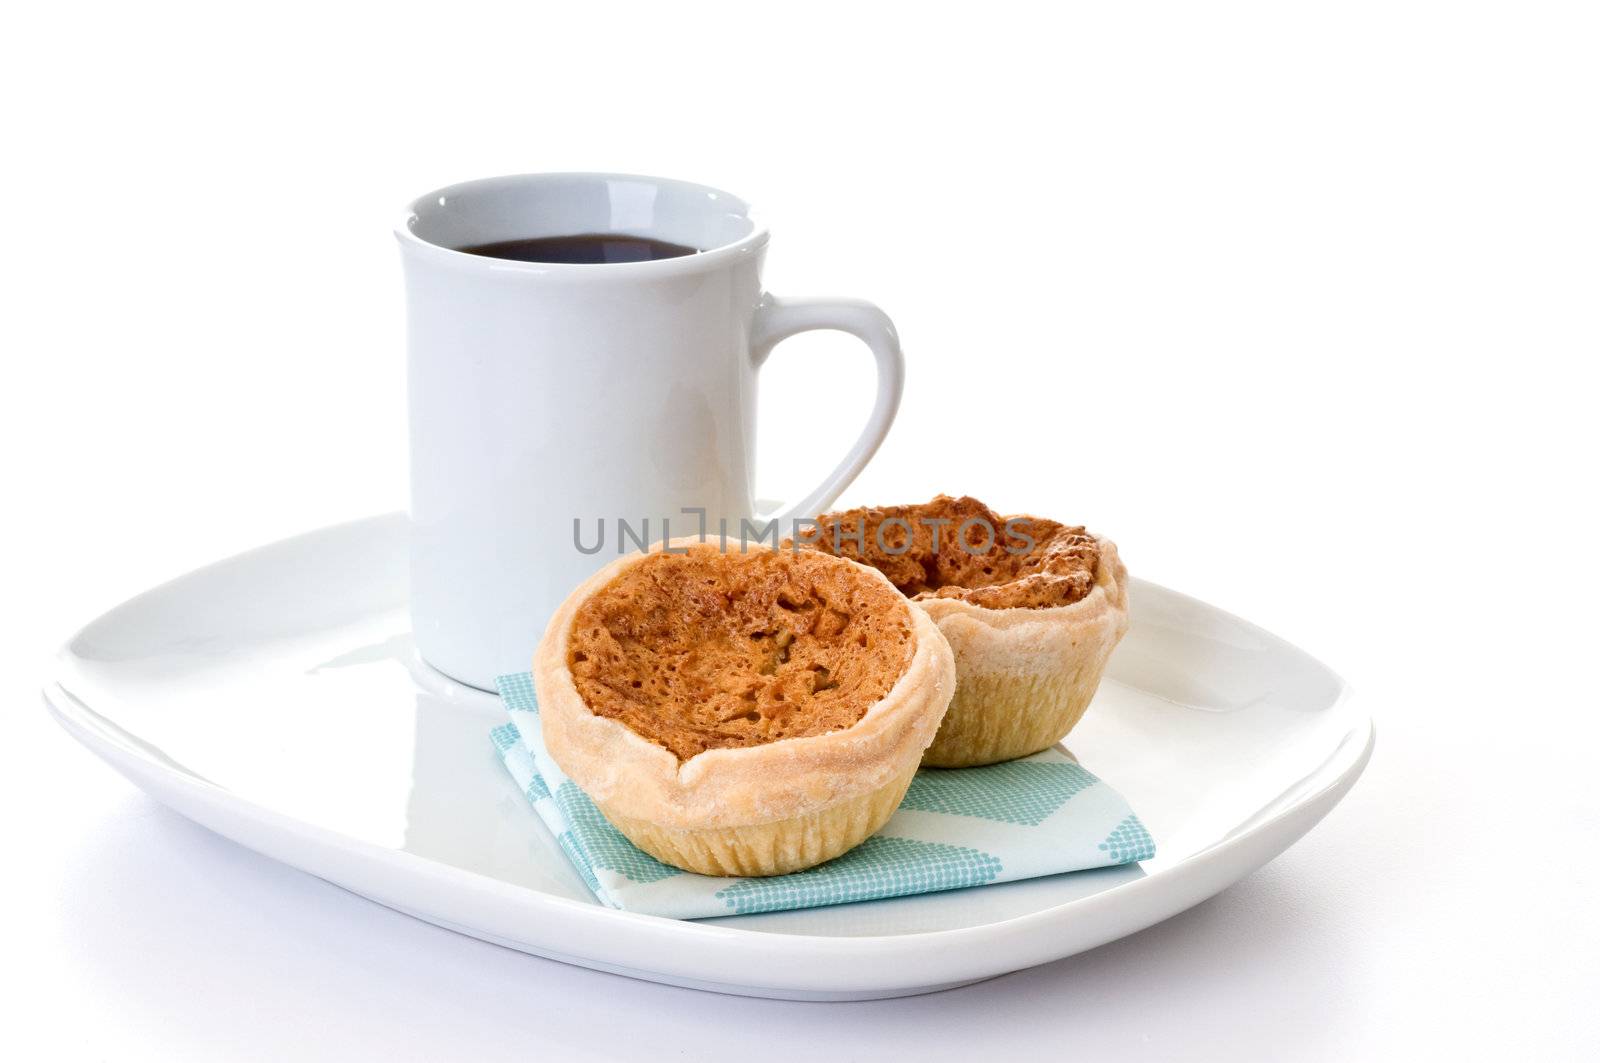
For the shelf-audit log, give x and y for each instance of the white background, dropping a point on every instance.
(1297, 302)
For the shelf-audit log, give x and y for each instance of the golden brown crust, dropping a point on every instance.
(707, 650)
(960, 548)
(1026, 676)
(775, 848)
(803, 796)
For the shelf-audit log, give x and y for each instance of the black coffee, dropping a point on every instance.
(583, 249)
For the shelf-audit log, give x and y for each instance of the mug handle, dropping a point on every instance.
(778, 319)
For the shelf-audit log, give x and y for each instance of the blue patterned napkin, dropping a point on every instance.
(1041, 815)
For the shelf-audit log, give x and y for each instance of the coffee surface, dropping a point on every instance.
(582, 249)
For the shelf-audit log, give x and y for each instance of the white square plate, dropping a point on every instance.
(275, 698)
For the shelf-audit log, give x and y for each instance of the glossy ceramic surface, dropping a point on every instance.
(277, 698)
(547, 394)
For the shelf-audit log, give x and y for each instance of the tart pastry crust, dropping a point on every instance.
(760, 804)
(1031, 632)
(1025, 676)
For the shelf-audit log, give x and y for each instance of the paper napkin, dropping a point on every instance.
(957, 828)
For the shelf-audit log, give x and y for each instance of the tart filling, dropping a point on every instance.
(959, 548)
(704, 650)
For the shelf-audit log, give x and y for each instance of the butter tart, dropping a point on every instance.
(734, 712)
(1031, 607)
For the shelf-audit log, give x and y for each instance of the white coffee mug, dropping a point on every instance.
(547, 398)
